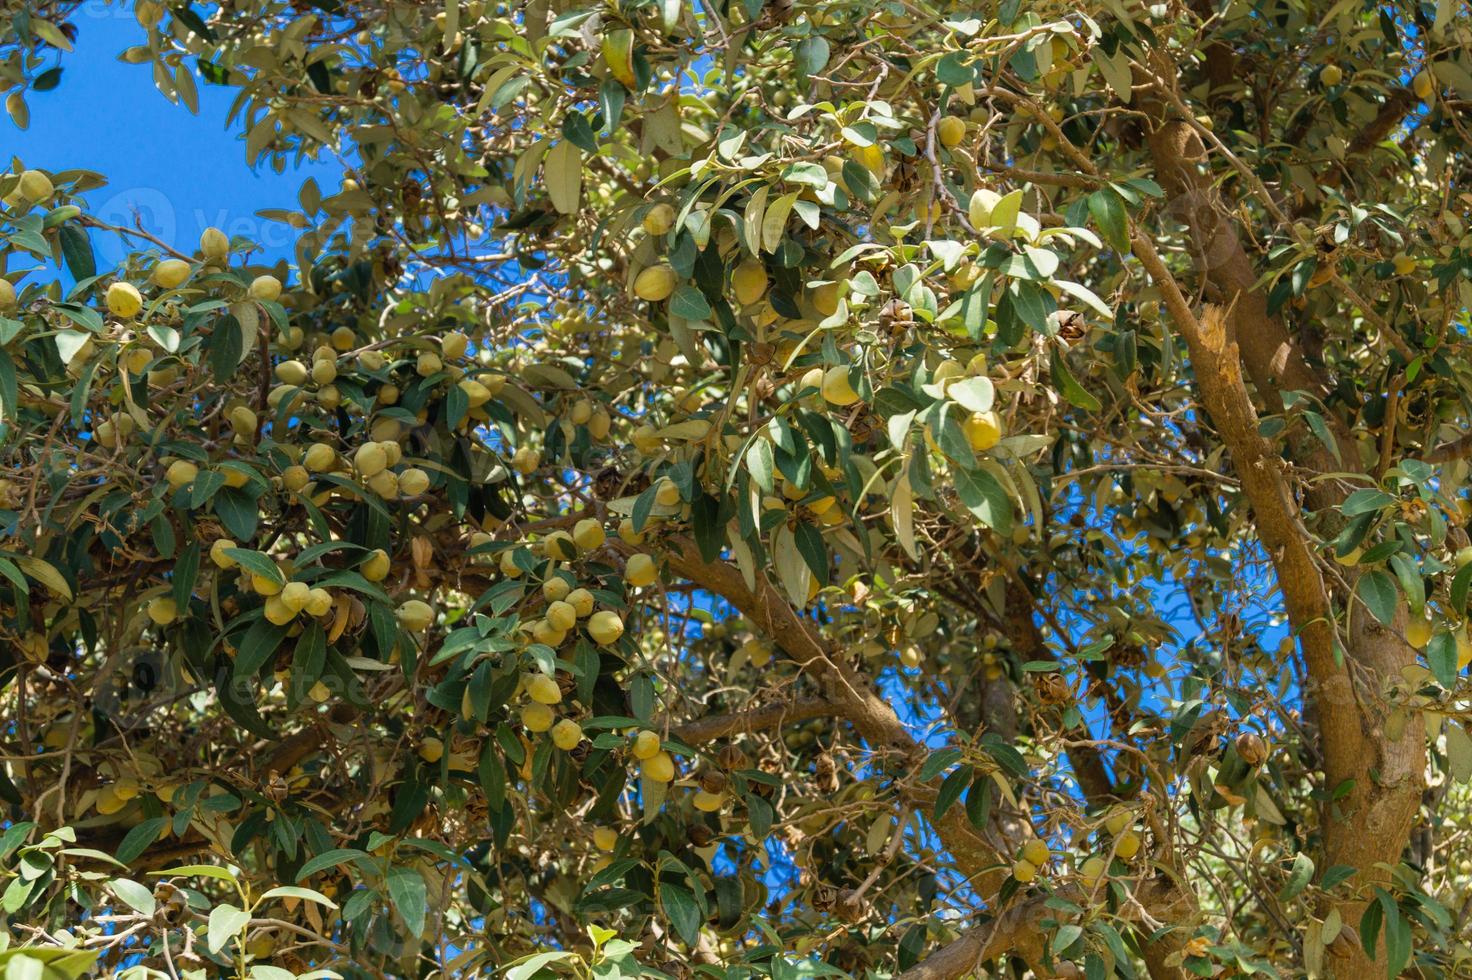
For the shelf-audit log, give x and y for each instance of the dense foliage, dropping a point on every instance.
(765, 489)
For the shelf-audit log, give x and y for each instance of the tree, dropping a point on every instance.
(893, 489)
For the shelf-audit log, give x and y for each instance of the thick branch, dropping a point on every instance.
(756, 719)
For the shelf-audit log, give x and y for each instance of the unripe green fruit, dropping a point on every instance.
(415, 616)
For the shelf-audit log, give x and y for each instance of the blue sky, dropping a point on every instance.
(178, 171)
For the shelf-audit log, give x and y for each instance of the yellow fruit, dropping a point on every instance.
(292, 373)
(659, 768)
(171, 273)
(213, 244)
(749, 281)
(217, 553)
(35, 187)
(1423, 85)
(659, 219)
(243, 420)
(605, 838)
(667, 494)
(319, 602)
(124, 300)
(7, 294)
(324, 371)
(476, 394)
(508, 565)
(1404, 264)
(655, 284)
(544, 632)
(108, 801)
(181, 473)
(707, 802)
(413, 482)
(537, 717)
(555, 588)
(1036, 852)
(588, 534)
(951, 130)
(277, 611)
(983, 430)
(370, 459)
(560, 545)
(295, 594)
(758, 652)
(566, 734)
(600, 423)
(1091, 871)
(646, 745)
(526, 460)
(454, 345)
(1464, 649)
(561, 616)
(543, 689)
(627, 534)
(836, 387)
(1331, 75)
(343, 339)
(581, 601)
(319, 457)
(1128, 845)
(266, 288)
(1117, 821)
(428, 363)
(163, 610)
(605, 627)
(295, 478)
(1349, 560)
(1024, 871)
(1418, 632)
(639, 571)
(431, 749)
(415, 616)
(375, 567)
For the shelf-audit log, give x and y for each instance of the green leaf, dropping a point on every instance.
(1299, 876)
(985, 498)
(260, 642)
(940, 760)
(680, 908)
(139, 838)
(1378, 592)
(1069, 387)
(406, 891)
(329, 859)
(196, 870)
(76, 249)
(137, 896)
(951, 789)
(296, 891)
(811, 55)
(225, 923)
(689, 303)
(1109, 215)
(1441, 657)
